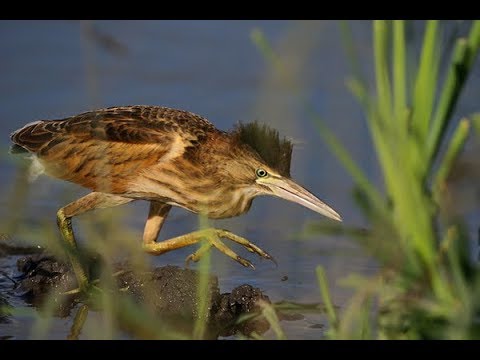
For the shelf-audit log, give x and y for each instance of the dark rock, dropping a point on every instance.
(42, 275)
(171, 291)
(244, 299)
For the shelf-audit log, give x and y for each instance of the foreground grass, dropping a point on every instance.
(428, 286)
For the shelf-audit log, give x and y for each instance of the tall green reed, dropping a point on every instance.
(424, 288)
(427, 286)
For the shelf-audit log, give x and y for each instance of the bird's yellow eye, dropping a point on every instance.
(261, 173)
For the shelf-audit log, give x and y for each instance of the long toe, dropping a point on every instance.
(214, 240)
(245, 243)
(244, 262)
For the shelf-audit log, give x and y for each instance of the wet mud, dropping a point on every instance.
(170, 291)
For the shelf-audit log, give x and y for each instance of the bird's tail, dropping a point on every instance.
(35, 168)
(17, 149)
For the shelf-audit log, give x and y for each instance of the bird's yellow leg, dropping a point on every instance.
(212, 236)
(94, 200)
(65, 226)
(156, 217)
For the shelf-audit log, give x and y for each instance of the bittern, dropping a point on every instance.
(170, 158)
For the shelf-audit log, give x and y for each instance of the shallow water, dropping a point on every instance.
(53, 69)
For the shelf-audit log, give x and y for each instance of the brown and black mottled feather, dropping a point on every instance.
(113, 143)
(128, 124)
(276, 152)
(103, 150)
(170, 158)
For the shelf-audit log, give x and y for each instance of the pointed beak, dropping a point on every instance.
(289, 190)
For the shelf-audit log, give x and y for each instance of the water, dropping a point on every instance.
(53, 69)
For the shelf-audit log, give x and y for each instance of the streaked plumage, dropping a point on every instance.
(166, 156)
(149, 152)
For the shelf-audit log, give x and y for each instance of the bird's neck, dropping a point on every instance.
(199, 194)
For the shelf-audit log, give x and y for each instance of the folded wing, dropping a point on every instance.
(104, 149)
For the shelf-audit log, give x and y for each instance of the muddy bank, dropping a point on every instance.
(169, 291)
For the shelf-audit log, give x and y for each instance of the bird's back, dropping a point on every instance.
(104, 149)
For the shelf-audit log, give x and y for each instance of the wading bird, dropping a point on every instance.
(170, 158)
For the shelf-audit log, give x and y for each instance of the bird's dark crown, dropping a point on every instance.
(276, 152)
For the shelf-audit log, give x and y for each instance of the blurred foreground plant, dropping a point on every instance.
(428, 286)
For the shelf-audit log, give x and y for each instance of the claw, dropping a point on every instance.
(196, 256)
(246, 244)
(245, 262)
(192, 257)
(270, 257)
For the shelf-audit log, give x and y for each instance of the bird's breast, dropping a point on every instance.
(198, 195)
(229, 207)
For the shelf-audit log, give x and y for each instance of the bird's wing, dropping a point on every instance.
(114, 142)
(128, 124)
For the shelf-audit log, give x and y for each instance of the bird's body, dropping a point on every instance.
(166, 156)
(145, 152)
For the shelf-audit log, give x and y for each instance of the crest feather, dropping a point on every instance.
(276, 152)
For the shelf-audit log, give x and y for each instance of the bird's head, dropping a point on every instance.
(263, 166)
(268, 182)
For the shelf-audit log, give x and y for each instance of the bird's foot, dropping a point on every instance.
(213, 237)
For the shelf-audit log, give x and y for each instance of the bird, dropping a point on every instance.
(168, 157)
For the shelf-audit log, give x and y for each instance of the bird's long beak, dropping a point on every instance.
(289, 190)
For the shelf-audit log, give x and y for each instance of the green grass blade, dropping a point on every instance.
(348, 163)
(359, 90)
(323, 285)
(203, 293)
(426, 82)
(355, 315)
(351, 53)
(258, 38)
(399, 70)
(270, 315)
(473, 41)
(456, 145)
(463, 58)
(78, 322)
(476, 123)
(380, 42)
(451, 90)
